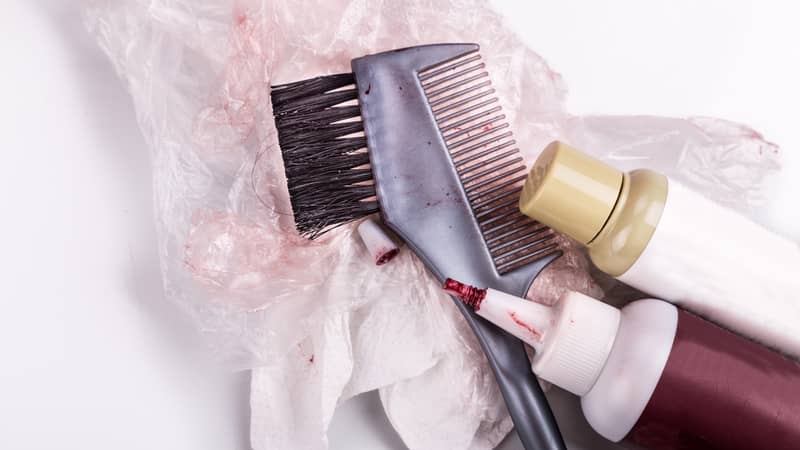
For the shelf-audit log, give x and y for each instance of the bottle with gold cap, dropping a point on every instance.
(657, 235)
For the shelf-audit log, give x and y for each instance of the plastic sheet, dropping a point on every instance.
(318, 320)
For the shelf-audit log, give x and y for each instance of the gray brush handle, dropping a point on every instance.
(422, 200)
(526, 403)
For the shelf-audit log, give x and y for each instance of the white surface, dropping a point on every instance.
(629, 378)
(93, 358)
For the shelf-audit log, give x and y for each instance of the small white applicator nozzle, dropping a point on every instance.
(572, 339)
(379, 242)
(529, 321)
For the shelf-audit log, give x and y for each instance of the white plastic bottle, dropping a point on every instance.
(656, 235)
(654, 374)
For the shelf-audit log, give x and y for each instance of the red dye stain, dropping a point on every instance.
(386, 256)
(231, 113)
(524, 325)
(470, 295)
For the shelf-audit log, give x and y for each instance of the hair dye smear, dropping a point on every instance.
(470, 295)
(525, 325)
(387, 256)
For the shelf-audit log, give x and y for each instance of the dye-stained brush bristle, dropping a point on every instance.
(490, 167)
(324, 152)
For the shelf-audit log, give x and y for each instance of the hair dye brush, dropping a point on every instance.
(417, 135)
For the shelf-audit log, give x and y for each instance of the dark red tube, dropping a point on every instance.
(720, 391)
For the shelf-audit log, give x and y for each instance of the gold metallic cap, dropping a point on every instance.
(570, 192)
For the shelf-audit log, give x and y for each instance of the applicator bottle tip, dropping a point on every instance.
(379, 241)
(470, 295)
(572, 339)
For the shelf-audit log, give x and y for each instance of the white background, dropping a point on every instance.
(92, 357)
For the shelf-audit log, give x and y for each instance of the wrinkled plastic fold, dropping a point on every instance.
(318, 321)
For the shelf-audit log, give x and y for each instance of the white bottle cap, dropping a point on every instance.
(572, 339)
(576, 347)
(379, 242)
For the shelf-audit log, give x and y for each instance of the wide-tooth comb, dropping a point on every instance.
(476, 132)
(445, 175)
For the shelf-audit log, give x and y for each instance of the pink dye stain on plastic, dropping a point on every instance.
(525, 325)
(232, 110)
(228, 252)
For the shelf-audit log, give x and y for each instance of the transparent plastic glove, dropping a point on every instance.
(318, 320)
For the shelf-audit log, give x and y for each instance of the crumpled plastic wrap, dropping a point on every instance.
(318, 321)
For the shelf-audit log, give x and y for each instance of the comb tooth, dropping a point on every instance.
(467, 110)
(457, 84)
(484, 143)
(491, 181)
(471, 128)
(515, 252)
(456, 95)
(536, 255)
(457, 127)
(496, 188)
(467, 180)
(463, 102)
(504, 225)
(487, 152)
(499, 217)
(494, 209)
(542, 249)
(488, 164)
(485, 167)
(474, 137)
(519, 229)
(477, 187)
(464, 169)
(455, 65)
(521, 239)
(461, 73)
(491, 200)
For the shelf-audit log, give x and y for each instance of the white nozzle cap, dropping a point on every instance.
(572, 339)
(577, 346)
(379, 242)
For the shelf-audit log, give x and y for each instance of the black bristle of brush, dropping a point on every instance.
(324, 152)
